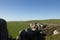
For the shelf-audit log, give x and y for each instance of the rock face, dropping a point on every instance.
(32, 33)
(3, 30)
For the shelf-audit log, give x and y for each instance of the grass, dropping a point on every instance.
(15, 26)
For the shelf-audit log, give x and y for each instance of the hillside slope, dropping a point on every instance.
(15, 26)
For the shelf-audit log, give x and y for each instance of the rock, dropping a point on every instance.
(3, 30)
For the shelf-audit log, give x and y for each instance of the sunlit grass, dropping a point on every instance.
(15, 27)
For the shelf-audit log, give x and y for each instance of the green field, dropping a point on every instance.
(15, 26)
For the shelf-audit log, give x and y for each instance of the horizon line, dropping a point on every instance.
(32, 20)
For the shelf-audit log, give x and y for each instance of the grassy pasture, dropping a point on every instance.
(15, 26)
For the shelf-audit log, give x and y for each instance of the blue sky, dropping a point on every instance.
(21, 10)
